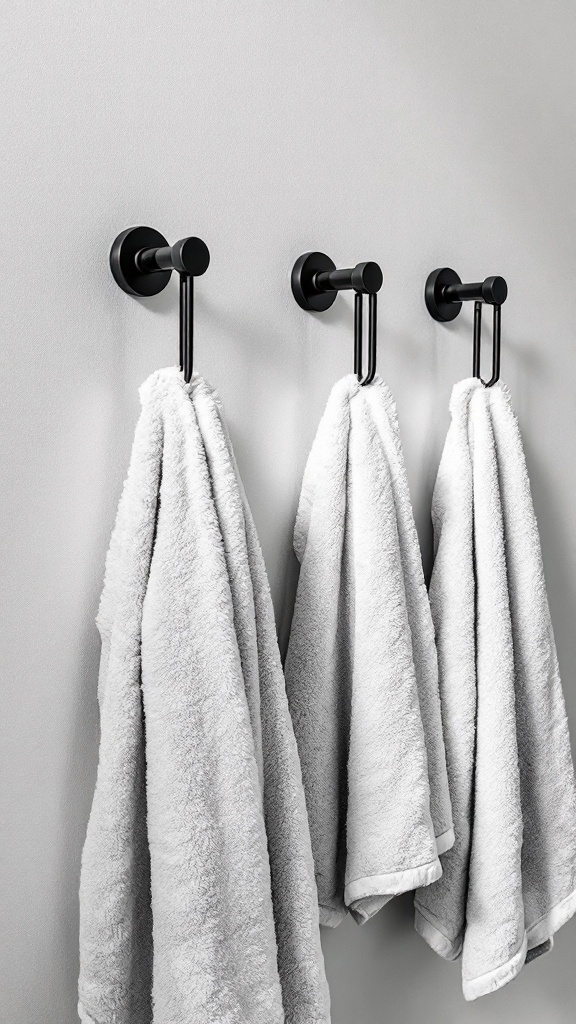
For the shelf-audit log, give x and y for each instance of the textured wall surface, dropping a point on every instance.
(415, 134)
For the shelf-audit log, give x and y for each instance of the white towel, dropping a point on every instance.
(361, 669)
(198, 900)
(510, 880)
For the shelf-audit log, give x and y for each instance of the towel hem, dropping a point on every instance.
(445, 841)
(544, 929)
(360, 911)
(448, 949)
(388, 885)
(536, 935)
(493, 980)
(328, 917)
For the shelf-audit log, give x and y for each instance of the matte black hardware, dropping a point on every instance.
(444, 294)
(315, 284)
(142, 261)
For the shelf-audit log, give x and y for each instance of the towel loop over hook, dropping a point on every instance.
(142, 262)
(315, 284)
(444, 294)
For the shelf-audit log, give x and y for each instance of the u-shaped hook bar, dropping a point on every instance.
(315, 284)
(444, 295)
(358, 332)
(496, 332)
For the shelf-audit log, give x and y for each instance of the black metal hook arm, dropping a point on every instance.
(186, 325)
(142, 261)
(496, 343)
(372, 332)
(444, 295)
(315, 284)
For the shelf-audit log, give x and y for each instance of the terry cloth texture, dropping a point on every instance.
(509, 882)
(361, 670)
(198, 900)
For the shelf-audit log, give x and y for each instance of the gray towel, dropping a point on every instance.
(197, 894)
(510, 880)
(361, 670)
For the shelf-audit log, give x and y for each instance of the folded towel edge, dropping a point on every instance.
(445, 841)
(500, 976)
(368, 907)
(388, 885)
(545, 928)
(328, 917)
(538, 934)
(448, 949)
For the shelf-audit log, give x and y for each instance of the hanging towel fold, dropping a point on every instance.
(510, 880)
(197, 895)
(361, 669)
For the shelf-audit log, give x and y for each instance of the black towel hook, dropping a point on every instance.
(444, 294)
(142, 261)
(315, 284)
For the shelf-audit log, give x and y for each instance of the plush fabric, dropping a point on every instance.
(197, 896)
(509, 882)
(361, 671)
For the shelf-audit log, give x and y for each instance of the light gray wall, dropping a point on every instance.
(416, 134)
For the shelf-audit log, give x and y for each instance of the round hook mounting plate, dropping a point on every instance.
(436, 305)
(123, 261)
(303, 273)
